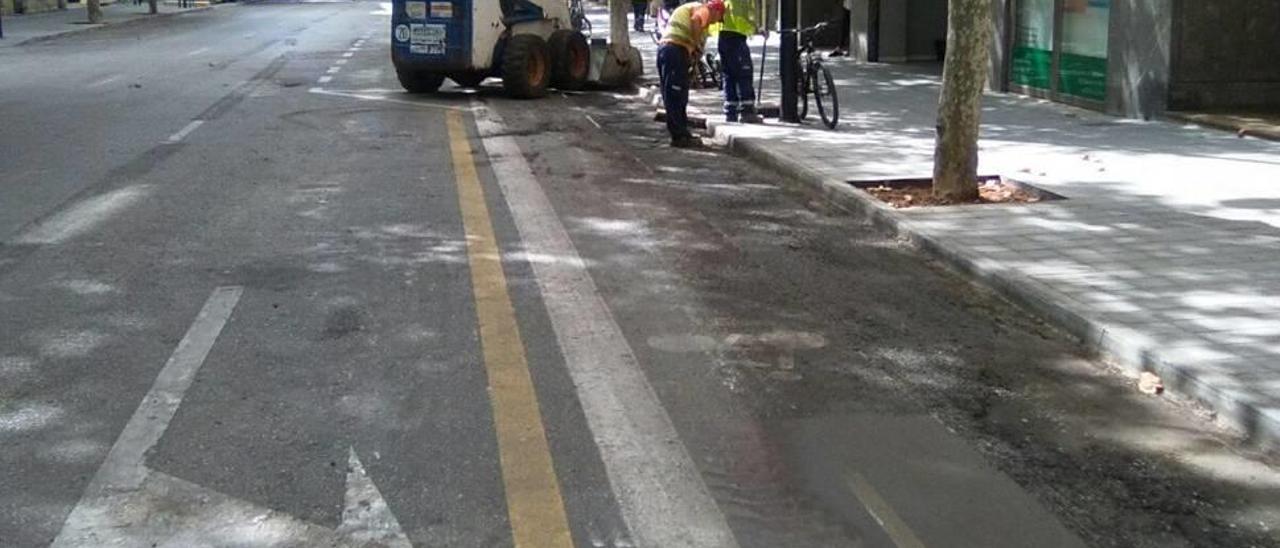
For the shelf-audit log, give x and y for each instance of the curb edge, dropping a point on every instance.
(1131, 350)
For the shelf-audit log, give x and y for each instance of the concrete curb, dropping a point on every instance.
(127, 22)
(1130, 349)
(1216, 123)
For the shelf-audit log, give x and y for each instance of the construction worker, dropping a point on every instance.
(681, 45)
(735, 61)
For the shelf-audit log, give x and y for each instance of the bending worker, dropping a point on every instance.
(735, 61)
(682, 45)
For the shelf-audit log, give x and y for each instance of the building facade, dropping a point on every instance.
(10, 7)
(1136, 58)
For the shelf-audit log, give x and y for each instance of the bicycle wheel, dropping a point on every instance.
(824, 94)
(713, 65)
(802, 93)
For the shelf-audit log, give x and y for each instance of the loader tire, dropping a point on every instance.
(526, 67)
(416, 81)
(570, 60)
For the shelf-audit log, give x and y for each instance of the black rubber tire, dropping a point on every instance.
(468, 80)
(713, 65)
(416, 81)
(526, 67)
(803, 94)
(824, 94)
(570, 60)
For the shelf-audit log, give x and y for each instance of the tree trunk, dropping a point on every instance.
(152, 8)
(94, 7)
(955, 153)
(619, 32)
(62, 5)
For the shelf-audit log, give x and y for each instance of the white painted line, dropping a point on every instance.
(662, 496)
(324, 80)
(881, 511)
(366, 518)
(197, 52)
(340, 62)
(333, 70)
(123, 468)
(184, 132)
(82, 216)
(376, 95)
(105, 81)
(593, 121)
(348, 54)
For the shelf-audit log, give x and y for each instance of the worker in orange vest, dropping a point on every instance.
(682, 45)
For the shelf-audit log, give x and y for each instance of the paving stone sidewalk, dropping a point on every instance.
(1165, 254)
(26, 29)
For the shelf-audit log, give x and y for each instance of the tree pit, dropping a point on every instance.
(992, 189)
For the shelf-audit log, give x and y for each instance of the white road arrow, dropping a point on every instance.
(128, 504)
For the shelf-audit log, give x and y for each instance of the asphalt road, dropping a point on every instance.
(253, 294)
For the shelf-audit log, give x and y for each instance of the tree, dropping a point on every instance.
(623, 63)
(152, 8)
(94, 7)
(964, 75)
(619, 33)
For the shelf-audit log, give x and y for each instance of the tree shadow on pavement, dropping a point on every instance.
(900, 336)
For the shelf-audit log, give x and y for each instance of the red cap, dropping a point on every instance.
(716, 5)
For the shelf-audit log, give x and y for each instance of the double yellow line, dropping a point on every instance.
(534, 505)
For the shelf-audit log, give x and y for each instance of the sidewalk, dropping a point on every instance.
(25, 29)
(1164, 255)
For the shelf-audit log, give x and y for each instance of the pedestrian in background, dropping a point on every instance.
(846, 29)
(638, 10)
(681, 45)
(736, 69)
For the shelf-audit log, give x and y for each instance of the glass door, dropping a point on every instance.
(1031, 64)
(1060, 50)
(1082, 65)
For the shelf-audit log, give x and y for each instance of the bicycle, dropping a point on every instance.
(578, 17)
(816, 79)
(705, 70)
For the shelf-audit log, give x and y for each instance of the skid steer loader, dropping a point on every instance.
(530, 44)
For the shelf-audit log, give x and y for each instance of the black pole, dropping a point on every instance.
(788, 62)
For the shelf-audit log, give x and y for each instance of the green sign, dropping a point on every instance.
(1032, 61)
(1031, 67)
(1082, 70)
(1081, 48)
(1083, 76)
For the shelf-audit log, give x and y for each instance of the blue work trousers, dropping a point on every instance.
(639, 11)
(673, 73)
(736, 72)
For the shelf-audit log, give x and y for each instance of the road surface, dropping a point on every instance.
(253, 294)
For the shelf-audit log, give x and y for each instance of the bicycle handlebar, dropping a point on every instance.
(815, 27)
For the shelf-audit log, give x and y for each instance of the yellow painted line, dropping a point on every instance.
(534, 504)
(898, 531)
